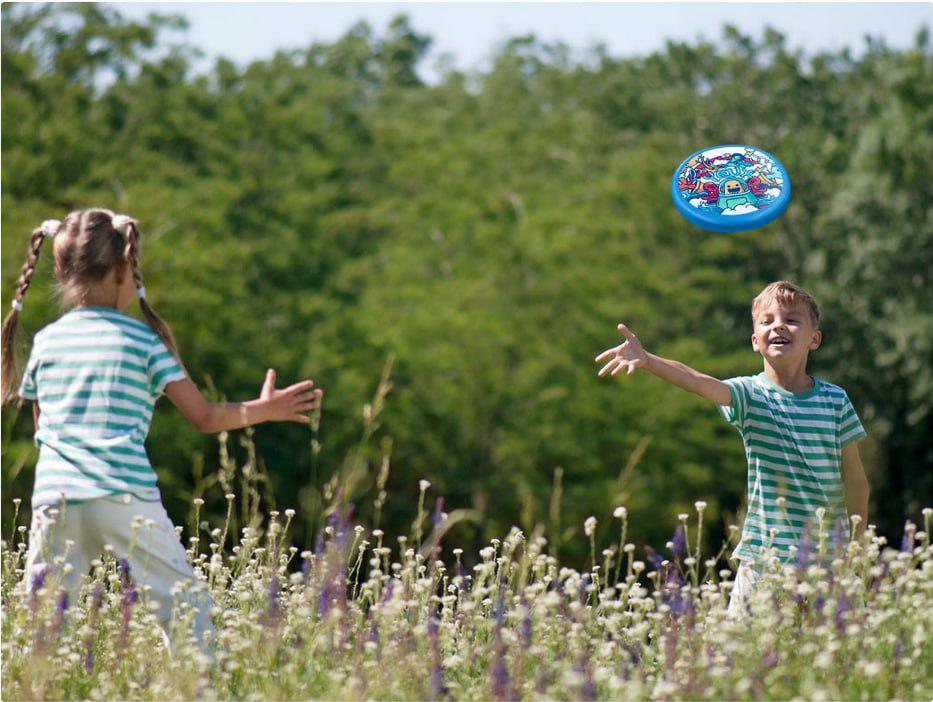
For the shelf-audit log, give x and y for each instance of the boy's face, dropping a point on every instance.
(784, 335)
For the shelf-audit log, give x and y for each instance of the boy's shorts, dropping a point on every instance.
(746, 580)
(156, 555)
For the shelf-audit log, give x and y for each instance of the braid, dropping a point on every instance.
(11, 322)
(131, 254)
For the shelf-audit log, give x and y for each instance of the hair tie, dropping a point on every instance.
(17, 305)
(50, 227)
(141, 292)
(121, 222)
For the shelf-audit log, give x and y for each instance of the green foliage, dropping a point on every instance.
(322, 210)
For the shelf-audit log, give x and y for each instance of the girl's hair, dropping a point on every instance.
(90, 247)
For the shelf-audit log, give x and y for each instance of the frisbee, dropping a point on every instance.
(730, 188)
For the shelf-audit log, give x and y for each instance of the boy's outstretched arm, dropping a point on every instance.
(630, 354)
(856, 486)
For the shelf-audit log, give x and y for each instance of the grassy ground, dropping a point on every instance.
(359, 619)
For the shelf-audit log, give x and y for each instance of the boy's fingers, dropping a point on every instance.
(631, 368)
(301, 418)
(626, 332)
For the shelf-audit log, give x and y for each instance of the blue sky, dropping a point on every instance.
(471, 31)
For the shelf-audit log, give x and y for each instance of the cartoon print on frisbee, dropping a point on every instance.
(730, 180)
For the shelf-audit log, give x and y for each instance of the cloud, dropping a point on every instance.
(744, 208)
(697, 202)
(773, 192)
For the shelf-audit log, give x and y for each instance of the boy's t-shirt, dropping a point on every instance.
(793, 442)
(96, 374)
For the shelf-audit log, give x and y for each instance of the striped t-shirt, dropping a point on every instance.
(96, 374)
(793, 442)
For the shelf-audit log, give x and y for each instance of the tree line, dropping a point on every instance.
(327, 213)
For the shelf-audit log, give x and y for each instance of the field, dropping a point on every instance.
(358, 618)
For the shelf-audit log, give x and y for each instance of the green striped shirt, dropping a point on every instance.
(793, 442)
(96, 374)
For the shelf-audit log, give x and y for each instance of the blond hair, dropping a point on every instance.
(787, 294)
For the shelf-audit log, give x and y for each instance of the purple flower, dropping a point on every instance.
(97, 599)
(273, 610)
(805, 551)
(905, 544)
(587, 684)
(526, 629)
(842, 606)
(436, 687)
(35, 584)
(654, 560)
(438, 511)
(770, 659)
(679, 543)
(500, 682)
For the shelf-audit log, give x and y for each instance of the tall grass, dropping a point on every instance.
(358, 617)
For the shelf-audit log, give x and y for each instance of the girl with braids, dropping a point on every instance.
(94, 376)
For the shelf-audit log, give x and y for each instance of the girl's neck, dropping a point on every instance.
(101, 296)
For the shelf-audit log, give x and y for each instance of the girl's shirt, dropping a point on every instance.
(793, 442)
(96, 374)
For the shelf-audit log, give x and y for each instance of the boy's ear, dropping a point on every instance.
(754, 342)
(817, 340)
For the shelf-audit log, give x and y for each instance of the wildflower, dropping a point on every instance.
(620, 512)
(589, 526)
(700, 505)
(679, 542)
(424, 485)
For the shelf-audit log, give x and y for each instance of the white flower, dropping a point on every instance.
(620, 513)
(683, 516)
(424, 485)
(700, 505)
(589, 526)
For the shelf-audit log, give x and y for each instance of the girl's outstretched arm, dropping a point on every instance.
(291, 404)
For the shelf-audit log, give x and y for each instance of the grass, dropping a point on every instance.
(359, 619)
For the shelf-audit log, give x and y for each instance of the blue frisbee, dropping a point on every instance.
(730, 188)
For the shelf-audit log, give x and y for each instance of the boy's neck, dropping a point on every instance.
(792, 378)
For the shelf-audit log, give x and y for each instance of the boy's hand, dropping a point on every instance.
(290, 404)
(629, 354)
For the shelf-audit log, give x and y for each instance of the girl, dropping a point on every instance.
(95, 375)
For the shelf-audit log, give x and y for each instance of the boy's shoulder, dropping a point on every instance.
(758, 385)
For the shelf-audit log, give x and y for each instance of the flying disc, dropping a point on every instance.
(730, 188)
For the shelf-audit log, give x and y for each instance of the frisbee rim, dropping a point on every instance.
(717, 222)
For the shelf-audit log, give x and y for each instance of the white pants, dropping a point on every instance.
(156, 556)
(746, 580)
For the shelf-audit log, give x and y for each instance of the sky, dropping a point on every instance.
(470, 32)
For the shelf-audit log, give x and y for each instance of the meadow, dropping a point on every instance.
(360, 617)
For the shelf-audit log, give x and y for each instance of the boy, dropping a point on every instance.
(799, 432)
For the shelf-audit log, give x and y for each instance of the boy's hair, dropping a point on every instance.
(90, 247)
(787, 294)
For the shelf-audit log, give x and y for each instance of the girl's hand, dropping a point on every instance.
(629, 354)
(291, 404)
